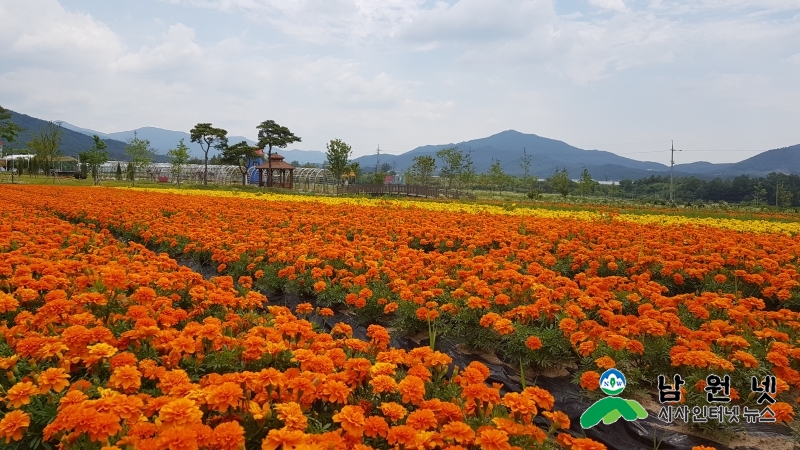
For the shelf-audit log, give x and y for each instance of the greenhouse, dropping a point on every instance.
(312, 179)
(162, 173)
(305, 179)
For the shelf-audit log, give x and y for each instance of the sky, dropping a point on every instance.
(719, 77)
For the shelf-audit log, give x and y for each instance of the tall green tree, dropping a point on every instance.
(496, 176)
(586, 183)
(178, 158)
(139, 154)
(452, 163)
(270, 135)
(208, 137)
(119, 172)
(422, 169)
(84, 168)
(240, 154)
(46, 145)
(9, 132)
(560, 182)
(96, 157)
(468, 173)
(337, 156)
(527, 180)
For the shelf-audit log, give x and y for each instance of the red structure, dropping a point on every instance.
(282, 173)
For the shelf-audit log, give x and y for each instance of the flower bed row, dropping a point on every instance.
(109, 345)
(647, 299)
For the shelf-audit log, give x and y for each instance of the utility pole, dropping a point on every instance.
(378, 159)
(671, 165)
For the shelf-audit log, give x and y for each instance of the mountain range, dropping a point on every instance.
(547, 155)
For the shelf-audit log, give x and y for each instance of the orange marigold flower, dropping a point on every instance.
(635, 346)
(292, 416)
(123, 359)
(783, 412)
(605, 362)
(412, 389)
(590, 380)
(586, 444)
(71, 398)
(13, 425)
(401, 435)
(383, 383)
(568, 325)
(422, 419)
(375, 426)
(326, 312)
(227, 395)
(229, 436)
(180, 412)
(558, 418)
(586, 348)
(283, 438)
(390, 307)
(459, 432)
(393, 411)
(503, 327)
(20, 394)
(126, 378)
(533, 343)
(304, 308)
(352, 420)
(542, 397)
(704, 447)
(54, 378)
(520, 404)
(101, 350)
(492, 439)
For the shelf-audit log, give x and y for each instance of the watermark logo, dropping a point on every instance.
(608, 410)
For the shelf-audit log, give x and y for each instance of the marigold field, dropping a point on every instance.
(106, 342)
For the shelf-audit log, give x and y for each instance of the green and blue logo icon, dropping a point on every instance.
(608, 410)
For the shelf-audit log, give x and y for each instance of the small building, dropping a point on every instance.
(281, 173)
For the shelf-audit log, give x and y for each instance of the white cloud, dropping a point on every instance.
(41, 32)
(613, 5)
(178, 52)
(794, 59)
(403, 72)
(320, 21)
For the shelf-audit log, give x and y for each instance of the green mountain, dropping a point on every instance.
(549, 155)
(72, 142)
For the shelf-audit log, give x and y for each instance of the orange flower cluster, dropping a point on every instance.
(625, 294)
(109, 345)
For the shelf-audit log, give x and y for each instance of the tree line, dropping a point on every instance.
(449, 168)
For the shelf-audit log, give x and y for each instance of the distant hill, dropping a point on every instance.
(549, 155)
(163, 140)
(784, 160)
(72, 142)
(702, 168)
(302, 156)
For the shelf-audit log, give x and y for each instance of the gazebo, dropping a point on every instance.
(285, 172)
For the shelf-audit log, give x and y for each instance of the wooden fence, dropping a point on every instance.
(403, 189)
